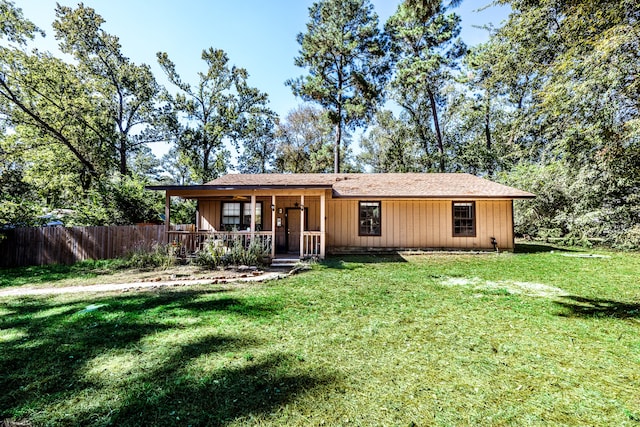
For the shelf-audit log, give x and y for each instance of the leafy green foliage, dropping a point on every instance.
(347, 61)
(426, 47)
(216, 253)
(305, 142)
(120, 201)
(13, 26)
(549, 104)
(221, 107)
(52, 111)
(391, 146)
(128, 92)
(259, 145)
(159, 256)
(18, 205)
(183, 211)
(580, 207)
(547, 214)
(74, 124)
(571, 78)
(212, 255)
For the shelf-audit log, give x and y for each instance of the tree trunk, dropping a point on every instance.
(487, 124)
(206, 175)
(487, 133)
(123, 157)
(436, 124)
(336, 151)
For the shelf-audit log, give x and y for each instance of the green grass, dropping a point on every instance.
(95, 272)
(48, 274)
(425, 340)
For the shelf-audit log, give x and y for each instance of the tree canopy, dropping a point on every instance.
(550, 104)
(346, 56)
(221, 107)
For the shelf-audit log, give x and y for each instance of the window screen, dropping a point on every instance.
(370, 219)
(464, 219)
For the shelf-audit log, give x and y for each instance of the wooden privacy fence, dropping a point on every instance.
(66, 245)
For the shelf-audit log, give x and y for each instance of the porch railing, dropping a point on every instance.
(189, 242)
(311, 244)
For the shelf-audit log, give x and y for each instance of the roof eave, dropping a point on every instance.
(205, 187)
(440, 197)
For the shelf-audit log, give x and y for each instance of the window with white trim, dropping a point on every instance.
(238, 215)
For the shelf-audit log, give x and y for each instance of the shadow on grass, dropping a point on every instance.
(44, 364)
(51, 273)
(349, 262)
(230, 393)
(534, 248)
(593, 307)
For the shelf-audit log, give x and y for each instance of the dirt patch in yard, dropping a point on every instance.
(184, 276)
(512, 287)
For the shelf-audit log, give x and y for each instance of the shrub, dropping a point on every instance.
(211, 255)
(238, 254)
(215, 254)
(159, 256)
(629, 240)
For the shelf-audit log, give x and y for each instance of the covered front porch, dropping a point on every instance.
(286, 223)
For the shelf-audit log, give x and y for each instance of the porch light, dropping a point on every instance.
(301, 207)
(273, 207)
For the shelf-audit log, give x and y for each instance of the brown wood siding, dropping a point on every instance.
(419, 224)
(209, 214)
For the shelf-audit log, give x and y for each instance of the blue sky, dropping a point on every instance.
(259, 35)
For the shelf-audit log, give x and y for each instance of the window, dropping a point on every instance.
(370, 219)
(231, 214)
(238, 215)
(246, 215)
(464, 219)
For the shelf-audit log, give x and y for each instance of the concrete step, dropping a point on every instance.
(284, 262)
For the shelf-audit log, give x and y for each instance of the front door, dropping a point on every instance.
(293, 230)
(292, 227)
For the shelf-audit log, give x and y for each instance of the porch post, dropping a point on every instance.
(253, 216)
(301, 226)
(323, 225)
(273, 226)
(167, 214)
(197, 215)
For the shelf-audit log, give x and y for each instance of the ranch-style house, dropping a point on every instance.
(311, 215)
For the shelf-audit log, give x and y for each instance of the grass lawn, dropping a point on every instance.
(95, 272)
(537, 338)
